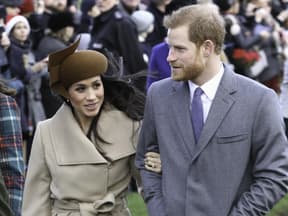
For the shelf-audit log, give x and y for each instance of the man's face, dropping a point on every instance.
(184, 57)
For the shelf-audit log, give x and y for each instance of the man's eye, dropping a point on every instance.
(180, 49)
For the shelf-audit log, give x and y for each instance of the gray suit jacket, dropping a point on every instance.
(240, 163)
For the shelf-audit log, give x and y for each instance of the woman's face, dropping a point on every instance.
(20, 32)
(86, 97)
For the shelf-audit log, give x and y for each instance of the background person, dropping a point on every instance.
(11, 154)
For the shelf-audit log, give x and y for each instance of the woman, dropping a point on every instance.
(82, 158)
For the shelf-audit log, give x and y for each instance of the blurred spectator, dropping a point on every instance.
(89, 10)
(116, 33)
(61, 27)
(12, 8)
(158, 9)
(129, 6)
(158, 65)
(146, 2)
(176, 4)
(56, 5)
(261, 20)
(241, 44)
(24, 69)
(27, 7)
(4, 41)
(11, 154)
(144, 21)
(38, 20)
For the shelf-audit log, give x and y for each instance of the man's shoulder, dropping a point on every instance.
(243, 83)
(163, 83)
(249, 84)
(164, 87)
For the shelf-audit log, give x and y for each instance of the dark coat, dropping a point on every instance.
(159, 32)
(50, 101)
(17, 57)
(116, 32)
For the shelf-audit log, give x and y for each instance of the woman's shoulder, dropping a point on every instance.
(110, 111)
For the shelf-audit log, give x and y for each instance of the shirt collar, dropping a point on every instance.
(210, 87)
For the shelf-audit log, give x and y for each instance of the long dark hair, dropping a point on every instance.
(124, 96)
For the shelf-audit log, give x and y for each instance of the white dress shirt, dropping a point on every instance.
(209, 88)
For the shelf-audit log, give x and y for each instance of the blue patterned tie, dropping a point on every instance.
(197, 113)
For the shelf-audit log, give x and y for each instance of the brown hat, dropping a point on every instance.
(68, 66)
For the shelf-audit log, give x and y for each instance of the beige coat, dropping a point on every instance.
(67, 175)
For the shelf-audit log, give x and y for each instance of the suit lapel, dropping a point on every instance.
(221, 105)
(181, 109)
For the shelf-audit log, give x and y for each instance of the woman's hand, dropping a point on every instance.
(153, 162)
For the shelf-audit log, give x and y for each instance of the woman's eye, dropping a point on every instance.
(96, 85)
(80, 89)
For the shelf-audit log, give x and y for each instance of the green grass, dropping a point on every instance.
(281, 208)
(136, 205)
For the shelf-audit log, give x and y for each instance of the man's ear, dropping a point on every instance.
(208, 47)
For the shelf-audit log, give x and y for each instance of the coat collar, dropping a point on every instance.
(73, 147)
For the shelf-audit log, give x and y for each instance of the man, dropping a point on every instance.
(239, 165)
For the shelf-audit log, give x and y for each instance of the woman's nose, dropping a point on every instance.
(91, 94)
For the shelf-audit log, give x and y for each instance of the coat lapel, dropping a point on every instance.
(73, 147)
(222, 103)
(181, 108)
(70, 144)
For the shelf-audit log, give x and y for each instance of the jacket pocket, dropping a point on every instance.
(231, 139)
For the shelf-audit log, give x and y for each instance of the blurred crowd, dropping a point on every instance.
(132, 33)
